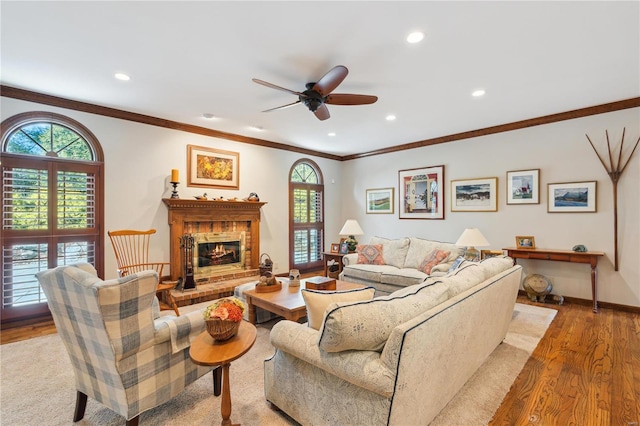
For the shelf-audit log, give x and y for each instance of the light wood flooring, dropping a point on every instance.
(585, 370)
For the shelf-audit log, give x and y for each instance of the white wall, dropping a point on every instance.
(139, 159)
(563, 154)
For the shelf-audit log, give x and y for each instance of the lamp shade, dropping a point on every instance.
(351, 227)
(472, 237)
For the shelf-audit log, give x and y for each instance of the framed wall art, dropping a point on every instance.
(421, 195)
(474, 195)
(572, 197)
(525, 242)
(523, 187)
(380, 200)
(212, 168)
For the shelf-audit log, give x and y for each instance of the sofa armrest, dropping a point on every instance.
(441, 269)
(361, 368)
(350, 259)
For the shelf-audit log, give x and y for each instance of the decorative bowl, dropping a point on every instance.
(222, 329)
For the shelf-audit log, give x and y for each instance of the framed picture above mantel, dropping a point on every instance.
(212, 168)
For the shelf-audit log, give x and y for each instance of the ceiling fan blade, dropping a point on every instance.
(283, 106)
(331, 80)
(322, 112)
(273, 86)
(347, 99)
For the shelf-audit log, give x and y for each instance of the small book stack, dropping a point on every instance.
(320, 283)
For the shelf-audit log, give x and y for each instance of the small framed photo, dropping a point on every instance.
(523, 187)
(344, 248)
(380, 200)
(421, 194)
(474, 195)
(485, 254)
(572, 197)
(212, 168)
(525, 242)
(335, 248)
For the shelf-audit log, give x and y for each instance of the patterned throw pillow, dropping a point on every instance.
(370, 254)
(432, 259)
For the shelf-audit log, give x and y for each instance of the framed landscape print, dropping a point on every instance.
(421, 195)
(380, 200)
(523, 187)
(212, 168)
(572, 197)
(474, 195)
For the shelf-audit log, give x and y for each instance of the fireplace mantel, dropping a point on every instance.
(185, 214)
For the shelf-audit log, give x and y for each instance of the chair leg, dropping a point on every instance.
(217, 381)
(133, 421)
(81, 405)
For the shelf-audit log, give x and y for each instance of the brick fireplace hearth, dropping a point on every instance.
(205, 216)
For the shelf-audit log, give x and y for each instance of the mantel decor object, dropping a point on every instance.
(614, 170)
(175, 180)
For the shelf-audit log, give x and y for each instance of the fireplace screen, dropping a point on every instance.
(217, 252)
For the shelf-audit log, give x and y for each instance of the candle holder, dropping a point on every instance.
(174, 193)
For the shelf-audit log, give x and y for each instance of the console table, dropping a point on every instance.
(590, 257)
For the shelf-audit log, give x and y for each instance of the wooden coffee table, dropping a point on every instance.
(209, 352)
(288, 302)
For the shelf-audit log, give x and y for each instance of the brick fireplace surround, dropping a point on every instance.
(195, 216)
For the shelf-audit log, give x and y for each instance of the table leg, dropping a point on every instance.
(594, 287)
(252, 311)
(225, 408)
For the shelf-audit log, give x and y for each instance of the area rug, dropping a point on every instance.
(37, 385)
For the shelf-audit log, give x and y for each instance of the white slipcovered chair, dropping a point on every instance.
(124, 355)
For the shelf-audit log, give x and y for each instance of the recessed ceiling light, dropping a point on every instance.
(122, 76)
(478, 93)
(256, 128)
(390, 117)
(415, 37)
(208, 116)
(331, 134)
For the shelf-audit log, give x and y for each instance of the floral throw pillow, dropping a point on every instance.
(436, 256)
(370, 254)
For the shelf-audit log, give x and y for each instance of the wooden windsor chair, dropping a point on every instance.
(131, 248)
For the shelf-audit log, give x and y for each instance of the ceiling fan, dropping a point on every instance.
(319, 94)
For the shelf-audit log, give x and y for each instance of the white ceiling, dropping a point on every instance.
(190, 58)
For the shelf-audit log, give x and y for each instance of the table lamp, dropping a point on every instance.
(351, 228)
(472, 238)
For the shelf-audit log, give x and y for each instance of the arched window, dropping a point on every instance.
(306, 213)
(52, 204)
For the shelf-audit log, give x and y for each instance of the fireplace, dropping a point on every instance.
(229, 232)
(215, 253)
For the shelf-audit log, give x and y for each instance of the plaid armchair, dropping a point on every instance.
(124, 355)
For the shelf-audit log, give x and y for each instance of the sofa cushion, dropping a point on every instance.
(432, 259)
(419, 248)
(367, 272)
(464, 278)
(393, 251)
(317, 301)
(367, 325)
(370, 254)
(403, 277)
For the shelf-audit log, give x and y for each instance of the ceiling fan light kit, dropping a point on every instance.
(317, 95)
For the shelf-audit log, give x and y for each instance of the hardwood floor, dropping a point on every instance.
(585, 370)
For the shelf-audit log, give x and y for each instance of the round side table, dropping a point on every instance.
(209, 352)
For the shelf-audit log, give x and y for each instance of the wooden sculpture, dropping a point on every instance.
(615, 171)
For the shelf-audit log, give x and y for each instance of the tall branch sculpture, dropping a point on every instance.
(615, 171)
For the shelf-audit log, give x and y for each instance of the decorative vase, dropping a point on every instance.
(294, 278)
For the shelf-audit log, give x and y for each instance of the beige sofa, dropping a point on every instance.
(402, 260)
(397, 359)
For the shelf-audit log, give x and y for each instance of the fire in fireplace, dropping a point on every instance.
(218, 252)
